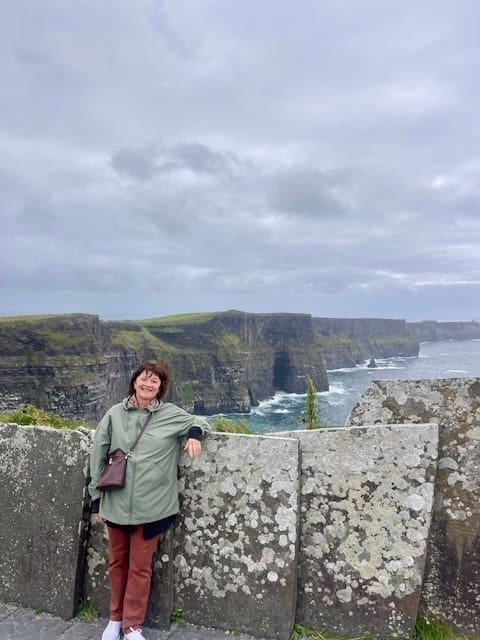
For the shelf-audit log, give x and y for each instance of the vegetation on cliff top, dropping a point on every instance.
(31, 415)
(139, 337)
(225, 425)
(181, 318)
(42, 318)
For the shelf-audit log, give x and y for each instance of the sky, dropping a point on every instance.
(171, 156)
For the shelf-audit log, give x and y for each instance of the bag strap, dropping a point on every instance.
(135, 442)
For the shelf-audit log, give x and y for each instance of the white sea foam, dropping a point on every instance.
(335, 388)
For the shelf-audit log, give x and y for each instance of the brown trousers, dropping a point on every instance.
(130, 572)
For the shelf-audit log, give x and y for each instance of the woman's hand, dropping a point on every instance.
(193, 447)
(96, 518)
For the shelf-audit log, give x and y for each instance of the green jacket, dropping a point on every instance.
(151, 490)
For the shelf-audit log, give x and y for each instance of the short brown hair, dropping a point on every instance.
(160, 369)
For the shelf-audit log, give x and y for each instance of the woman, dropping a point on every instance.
(139, 513)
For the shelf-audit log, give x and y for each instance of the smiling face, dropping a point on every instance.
(151, 373)
(147, 386)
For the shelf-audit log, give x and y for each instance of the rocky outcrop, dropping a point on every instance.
(431, 331)
(351, 341)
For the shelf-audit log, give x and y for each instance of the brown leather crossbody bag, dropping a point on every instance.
(113, 473)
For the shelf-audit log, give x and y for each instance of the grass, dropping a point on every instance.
(62, 338)
(85, 612)
(31, 415)
(299, 632)
(181, 318)
(227, 344)
(225, 425)
(138, 337)
(424, 630)
(177, 617)
(39, 318)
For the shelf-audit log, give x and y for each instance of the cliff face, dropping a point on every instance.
(78, 365)
(348, 342)
(58, 363)
(431, 331)
(230, 361)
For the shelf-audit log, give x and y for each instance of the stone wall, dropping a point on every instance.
(42, 537)
(244, 555)
(235, 544)
(366, 500)
(232, 558)
(451, 589)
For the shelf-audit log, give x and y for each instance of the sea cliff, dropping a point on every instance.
(223, 362)
(432, 331)
(351, 341)
(77, 365)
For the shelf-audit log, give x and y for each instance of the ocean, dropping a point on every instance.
(449, 359)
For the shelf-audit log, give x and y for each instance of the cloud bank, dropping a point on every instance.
(161, 157)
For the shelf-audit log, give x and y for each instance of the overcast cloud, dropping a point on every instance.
(167, 156)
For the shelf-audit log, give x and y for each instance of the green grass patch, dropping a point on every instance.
(299, 632)
(138, 338)
(426, 629)
(85, 612)
(62, 338)
(31, 415)
(177, 617)
(226, 344)
(225, 425)
(181, 318)
(39, 318)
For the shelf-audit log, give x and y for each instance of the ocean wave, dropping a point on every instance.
(385, 368)
(335, 387)
(283, 402)
(396, 362)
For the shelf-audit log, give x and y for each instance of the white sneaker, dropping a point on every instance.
(112, 630)
(134, 634)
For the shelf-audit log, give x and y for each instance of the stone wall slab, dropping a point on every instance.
(235, 544)
(43, 476)
(451, 590)
(366, 499)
